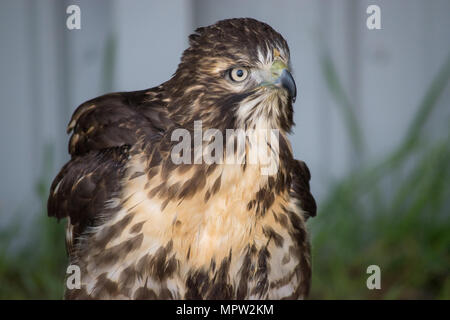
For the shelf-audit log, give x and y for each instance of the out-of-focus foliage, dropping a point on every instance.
(34, 269)
(394, 214)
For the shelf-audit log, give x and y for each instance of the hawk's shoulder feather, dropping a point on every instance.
(300, 189)
(103, 130)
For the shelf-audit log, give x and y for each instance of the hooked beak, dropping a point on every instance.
(283, 78)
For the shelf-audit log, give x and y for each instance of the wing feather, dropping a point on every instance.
(300, 189)
(103, 130)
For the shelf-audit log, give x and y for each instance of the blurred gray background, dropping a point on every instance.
(46, 71)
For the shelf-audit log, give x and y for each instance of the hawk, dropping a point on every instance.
(141, 226)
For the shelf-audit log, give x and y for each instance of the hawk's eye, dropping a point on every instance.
(238, 74)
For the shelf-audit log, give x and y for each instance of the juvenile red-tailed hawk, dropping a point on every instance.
(141, 226)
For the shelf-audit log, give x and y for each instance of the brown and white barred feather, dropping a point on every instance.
(141, 227)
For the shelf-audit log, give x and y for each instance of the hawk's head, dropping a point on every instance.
(235, 74)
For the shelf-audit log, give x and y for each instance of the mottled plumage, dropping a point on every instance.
(142, 227)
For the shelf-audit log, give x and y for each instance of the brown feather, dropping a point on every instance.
(142, 227)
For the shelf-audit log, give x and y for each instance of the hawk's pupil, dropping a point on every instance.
(240, 73)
